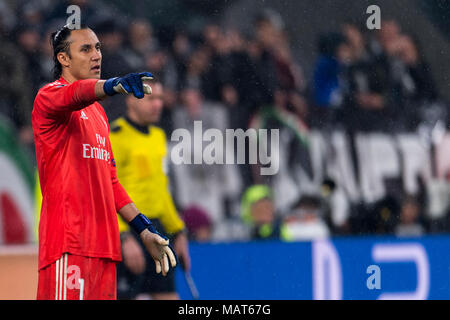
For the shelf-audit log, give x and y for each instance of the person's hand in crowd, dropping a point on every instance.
(371, 101)
(133, 255)
(407, 51)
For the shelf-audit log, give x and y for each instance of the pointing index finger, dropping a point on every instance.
(146, 76)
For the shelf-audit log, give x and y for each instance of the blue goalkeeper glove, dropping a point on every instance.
(130, 83)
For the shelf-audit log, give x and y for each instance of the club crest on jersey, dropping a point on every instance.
(83, 116)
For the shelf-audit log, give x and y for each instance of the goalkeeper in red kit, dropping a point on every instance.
(79, 240)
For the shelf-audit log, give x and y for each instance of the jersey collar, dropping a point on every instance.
(62, 80)
(138, 127)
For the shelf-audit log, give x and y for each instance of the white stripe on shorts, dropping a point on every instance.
(57, 279)
(65, 276)
(60, 277)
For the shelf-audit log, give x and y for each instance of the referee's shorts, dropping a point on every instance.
(130, 285)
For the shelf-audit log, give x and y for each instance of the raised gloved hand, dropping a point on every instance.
(130, 83)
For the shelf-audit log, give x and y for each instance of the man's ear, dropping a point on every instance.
(63, 59)
(129, 101)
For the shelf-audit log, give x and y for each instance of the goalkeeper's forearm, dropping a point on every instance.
(99, 91)
(129, 212)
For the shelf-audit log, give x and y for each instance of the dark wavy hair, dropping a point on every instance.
(60, 43)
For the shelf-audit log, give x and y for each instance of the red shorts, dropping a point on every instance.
(78, 278)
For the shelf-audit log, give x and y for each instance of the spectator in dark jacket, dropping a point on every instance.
(414, 86)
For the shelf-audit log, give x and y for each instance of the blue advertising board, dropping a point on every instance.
(362, 268)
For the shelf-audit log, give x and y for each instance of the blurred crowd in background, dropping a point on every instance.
(364, 81)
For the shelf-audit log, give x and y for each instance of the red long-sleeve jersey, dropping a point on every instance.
(81, 193)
